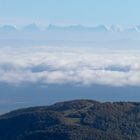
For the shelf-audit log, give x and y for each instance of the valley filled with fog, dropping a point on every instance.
(44, 67)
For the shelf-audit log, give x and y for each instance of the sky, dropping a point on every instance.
(37, 69)
(86, 12)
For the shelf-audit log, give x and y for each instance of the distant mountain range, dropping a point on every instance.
(99, 28)
(73, 120)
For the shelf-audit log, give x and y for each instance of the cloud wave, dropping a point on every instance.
(54, 65)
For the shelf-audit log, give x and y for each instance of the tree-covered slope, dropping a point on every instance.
(73, 120)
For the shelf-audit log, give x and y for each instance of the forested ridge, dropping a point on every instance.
(73, 120)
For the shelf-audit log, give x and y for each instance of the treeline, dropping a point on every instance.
(73, 120)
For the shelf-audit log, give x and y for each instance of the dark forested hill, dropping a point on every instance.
(73, 120)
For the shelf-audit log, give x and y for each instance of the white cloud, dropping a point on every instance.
(54, 65)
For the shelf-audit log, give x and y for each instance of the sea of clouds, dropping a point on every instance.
(62, 65)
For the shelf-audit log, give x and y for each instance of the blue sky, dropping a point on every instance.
(26, 71)
(87, 12)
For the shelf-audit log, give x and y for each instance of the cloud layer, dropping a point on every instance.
(54, 65)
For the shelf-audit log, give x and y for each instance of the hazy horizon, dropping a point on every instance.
(53, 51)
